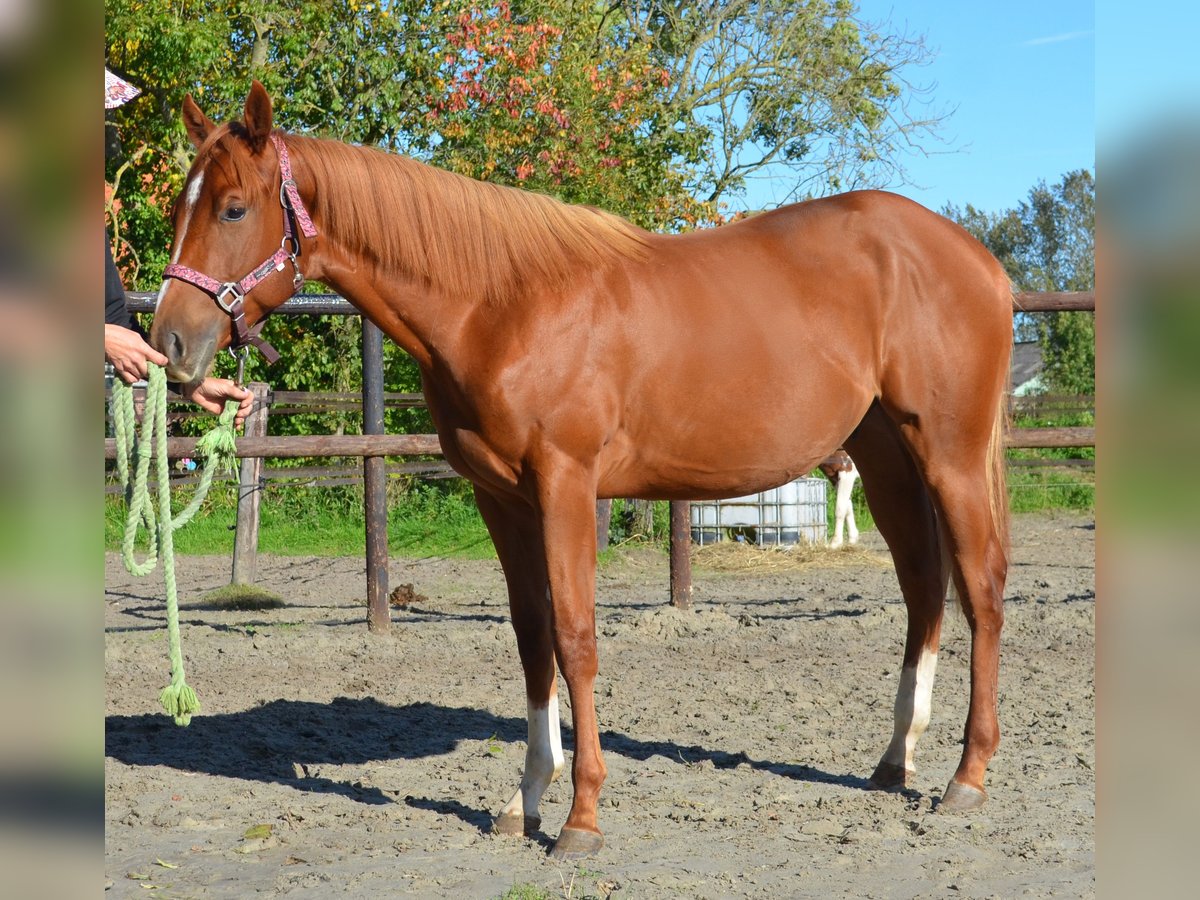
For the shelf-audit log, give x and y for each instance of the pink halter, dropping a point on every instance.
(229, 294)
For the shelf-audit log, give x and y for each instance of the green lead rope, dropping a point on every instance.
(218, 449)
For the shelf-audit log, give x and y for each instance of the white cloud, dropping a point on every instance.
(1058, 38)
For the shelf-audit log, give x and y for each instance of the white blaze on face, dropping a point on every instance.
(914, 703)
(161, 290)
(543, 758)
(189, 206)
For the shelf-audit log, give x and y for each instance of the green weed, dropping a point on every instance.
(526, 892)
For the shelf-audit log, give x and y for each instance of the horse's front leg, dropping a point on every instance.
(517, 535)
(566, 497)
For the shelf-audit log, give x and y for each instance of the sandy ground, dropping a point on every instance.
(738, 737)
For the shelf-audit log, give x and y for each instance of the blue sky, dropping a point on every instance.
(1020, 78)
(1150, 70)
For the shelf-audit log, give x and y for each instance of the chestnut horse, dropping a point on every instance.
(568, 355)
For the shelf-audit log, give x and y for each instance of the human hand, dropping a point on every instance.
(211, 394)
(128, 353)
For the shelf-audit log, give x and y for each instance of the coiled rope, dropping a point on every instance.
(219, 451)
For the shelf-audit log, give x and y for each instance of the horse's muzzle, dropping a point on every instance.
(187, 363)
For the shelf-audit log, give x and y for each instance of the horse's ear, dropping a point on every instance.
(258, 116)
(198, 125)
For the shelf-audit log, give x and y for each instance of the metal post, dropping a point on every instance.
(375, 481)
(245, 542)
(681, 559)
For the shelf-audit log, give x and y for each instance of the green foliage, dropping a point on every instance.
(438, 519)
(628, 521)
(1048, 243)
(1069, 347)
(555, 98)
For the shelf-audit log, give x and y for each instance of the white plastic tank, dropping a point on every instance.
(788, 514)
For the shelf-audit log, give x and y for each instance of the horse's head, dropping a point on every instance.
(234, 255)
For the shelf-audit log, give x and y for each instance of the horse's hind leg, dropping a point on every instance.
(964, 472)
(517, 536)
(978, 548)
(904, 514)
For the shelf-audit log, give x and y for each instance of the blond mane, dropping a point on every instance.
(473, 240)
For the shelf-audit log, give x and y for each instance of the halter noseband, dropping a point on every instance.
(228, 294)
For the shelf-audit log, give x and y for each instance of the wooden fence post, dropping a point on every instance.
(681, 554)
(379, 616)
(245, 542)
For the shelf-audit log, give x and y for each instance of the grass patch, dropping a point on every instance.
(439, 520)
(423, 520)
(1039, 490)
(526, 892)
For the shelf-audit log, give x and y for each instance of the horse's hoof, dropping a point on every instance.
(889, 776)
(960, 798)
(575, 843)
(515, 824)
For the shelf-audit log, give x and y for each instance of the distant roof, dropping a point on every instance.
(1026, 362)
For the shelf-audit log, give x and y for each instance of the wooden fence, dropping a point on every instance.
(373, 446)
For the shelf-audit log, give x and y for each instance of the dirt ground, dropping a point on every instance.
(738, 736)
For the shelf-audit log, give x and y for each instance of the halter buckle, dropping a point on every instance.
(228, 288)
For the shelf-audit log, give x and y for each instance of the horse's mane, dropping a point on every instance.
(473, 240)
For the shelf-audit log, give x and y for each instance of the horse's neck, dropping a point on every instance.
(408, 311)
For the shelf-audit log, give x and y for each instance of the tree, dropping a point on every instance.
(548, 102)
(655, 110)
(1048, 243)
(808, 91)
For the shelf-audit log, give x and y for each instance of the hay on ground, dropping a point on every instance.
(739, 556)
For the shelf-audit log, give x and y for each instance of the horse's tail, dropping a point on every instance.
(997, 481)
(997, 488)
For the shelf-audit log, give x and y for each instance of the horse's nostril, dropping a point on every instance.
(174, 348)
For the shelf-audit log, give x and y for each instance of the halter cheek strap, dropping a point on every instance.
(229, 294)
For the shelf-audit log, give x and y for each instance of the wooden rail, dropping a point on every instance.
(311, 445)
(1054, 301)
(1021, 438)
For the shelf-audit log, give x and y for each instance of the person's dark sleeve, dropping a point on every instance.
(115, 310)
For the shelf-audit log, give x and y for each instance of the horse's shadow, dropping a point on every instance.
(287, 742)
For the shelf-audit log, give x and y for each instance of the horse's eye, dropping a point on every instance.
(234, 214)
